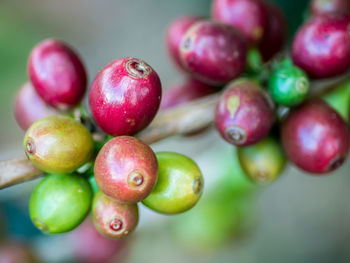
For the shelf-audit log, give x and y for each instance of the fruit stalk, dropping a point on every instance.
(184, 119)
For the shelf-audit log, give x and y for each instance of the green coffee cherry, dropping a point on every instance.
(288, 85)
(339, 99)
(58, 144)
(264, 162)
(60, 202)
(179, 186)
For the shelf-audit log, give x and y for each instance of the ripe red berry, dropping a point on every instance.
(175, 32)
(29, 107)
(315, 137)
(57, 74)
(187, 91)
(322, 46)
(126, 169)
(250, 17)
(214, 53)
(113, 219)
(275, 33)
(319, 7)
(244, 114)
(125, 96)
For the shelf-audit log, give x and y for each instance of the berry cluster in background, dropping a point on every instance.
(267, 109)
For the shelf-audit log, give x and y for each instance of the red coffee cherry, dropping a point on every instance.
(126, 169)
(275, 34)
(315, 137)
(175, 32)
(320, 7)
(57, 74)
(322, 46)
(244, 114)
(214, 53)
(187, 91)
(125, 96)
(250, 17)
(113, 219)
(29, 107)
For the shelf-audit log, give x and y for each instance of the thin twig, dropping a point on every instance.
(187, 118)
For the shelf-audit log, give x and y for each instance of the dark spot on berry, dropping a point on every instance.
(137, 68)
(115, 224)
(197, 185)
(41, 225)
(135, 178)
(187, 44)
(30, 147)
(336, 163)
(236, 135)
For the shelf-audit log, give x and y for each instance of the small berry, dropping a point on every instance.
(58, 144)
(60, 202)
(322, 46)
(213, 53)
(263, 162)
(126, 169)
(125, 96)
(29, 107)
(175, 32)
(315, 137)
(244, 114)
(57, 74)
(113, 219)
(288, 85)
(250, 17)
(179, 186)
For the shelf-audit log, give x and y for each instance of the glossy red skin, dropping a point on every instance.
(213, 53)
(174, 34)
(314, 137)
(250, 17)
(322, 46)
(105, 210)
(187, 91)
(121, 102)
(91, 247)
(30, 107)
(57, 74)
(320, 7)
(117, 161)
(253, 113)
(275, 34)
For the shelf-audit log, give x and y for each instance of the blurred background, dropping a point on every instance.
(297, 219)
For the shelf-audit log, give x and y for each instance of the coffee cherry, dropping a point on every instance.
(113, 219)
(125, 96)
(179, 186)
(339, 99)
(212, 52)
(60, 202)
(58, 144)
(175, 32)
(126, 169)
(91, 247)
(29, 107)
(57, 74)
(275, 34)
(322, 46)
(288, 85)
(263, 162)
(315, 137)
(250, 17)
(319, 7)
(187, 91)
(244, 114)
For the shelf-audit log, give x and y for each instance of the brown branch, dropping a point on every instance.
(184, 119)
